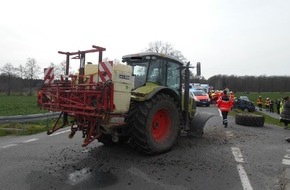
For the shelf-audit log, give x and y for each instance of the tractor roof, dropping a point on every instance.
(138, 55)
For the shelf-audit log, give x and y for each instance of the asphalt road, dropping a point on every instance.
(233, 158)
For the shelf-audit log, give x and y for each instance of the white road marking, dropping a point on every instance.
(220, 113)
(243, 175)
(286, 161)
(287, 156)
(79, 176)
(34, 139)
(58, 133)
(9, 145)
(244, 178)
(144, 176)
(85, 150)
(237, 154)
(30, 140)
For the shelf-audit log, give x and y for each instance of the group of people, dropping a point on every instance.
(269, 104)
(283, 109)
(225, 103)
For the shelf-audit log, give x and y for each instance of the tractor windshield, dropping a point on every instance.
(156, 72)
(139, 72)
(155, 68)
(152, 71)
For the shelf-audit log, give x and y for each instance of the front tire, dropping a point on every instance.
(156, 124)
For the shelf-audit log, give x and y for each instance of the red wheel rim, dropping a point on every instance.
(160, 125)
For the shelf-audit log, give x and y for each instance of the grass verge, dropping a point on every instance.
(26, 128)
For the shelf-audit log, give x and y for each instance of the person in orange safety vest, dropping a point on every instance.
(267, 104)
(225, 104)
(260, 102)
(218, 94)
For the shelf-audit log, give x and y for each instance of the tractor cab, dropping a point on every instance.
(152, 71)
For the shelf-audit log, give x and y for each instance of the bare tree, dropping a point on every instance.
(8, 70)
(165, 48)
(62, 67)
(59, 69)
(20, 71)
(168, 49)
(31, 72)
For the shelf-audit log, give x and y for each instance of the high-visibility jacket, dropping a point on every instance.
(281, 106)
(267, 102)
(285, 113)
(218, 95)
(212, 95)
(225, 103)
(259, 101)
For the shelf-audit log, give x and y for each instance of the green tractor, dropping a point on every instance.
(157, 114)
(143, 102)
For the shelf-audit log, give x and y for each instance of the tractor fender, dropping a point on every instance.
(165, 90)
(149, 91)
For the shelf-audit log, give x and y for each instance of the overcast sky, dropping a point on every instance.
(232, 37)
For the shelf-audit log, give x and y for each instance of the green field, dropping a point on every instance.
(272, 95)
(21, 105)
(18, 105)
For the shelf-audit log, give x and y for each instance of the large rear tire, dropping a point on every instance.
(156, 124)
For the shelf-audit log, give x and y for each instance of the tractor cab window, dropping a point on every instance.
(156, 71)
(173, 76)
(139, 73)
